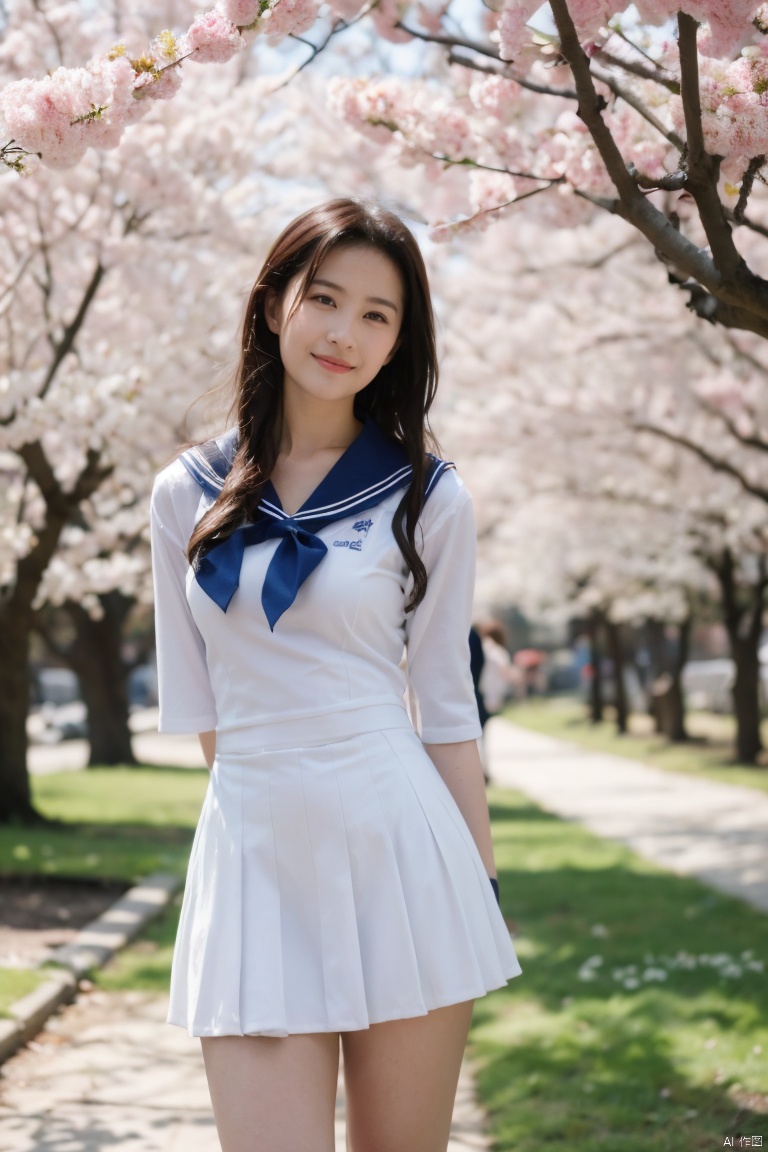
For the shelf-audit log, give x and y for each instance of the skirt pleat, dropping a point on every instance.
(329, 888)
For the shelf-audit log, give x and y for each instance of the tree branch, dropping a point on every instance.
(59, 505)
(753, 441)
(64, 346)
(635, 68)
(722, 274)
(503, 70)
(449, 41)
(716, 310)
(749, 223)
(591, 103)
(747, 183)
(703, 169)
(715, 463)
(629, 98)
(672, 182)
(447, 160)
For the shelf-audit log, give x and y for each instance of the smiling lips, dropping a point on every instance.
(332, 364)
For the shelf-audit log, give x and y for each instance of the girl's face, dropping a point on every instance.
(345, 329)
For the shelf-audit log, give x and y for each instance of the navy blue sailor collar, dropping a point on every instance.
(370, 469)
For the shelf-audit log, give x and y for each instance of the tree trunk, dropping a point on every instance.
(97, 659)
(16, 622)
(616, 649)
(743, 617)
(746, 701)
(667, 696)
(15, 798)
(16, 605)
(657, 649)
(676, 730)
(596, 704)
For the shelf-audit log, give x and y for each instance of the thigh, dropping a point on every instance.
(401, 1080)
(273, 1095)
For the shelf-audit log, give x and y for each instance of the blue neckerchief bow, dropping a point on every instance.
(370, 469)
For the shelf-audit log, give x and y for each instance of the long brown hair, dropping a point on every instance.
(398, 398)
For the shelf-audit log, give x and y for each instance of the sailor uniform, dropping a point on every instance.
(333, 882)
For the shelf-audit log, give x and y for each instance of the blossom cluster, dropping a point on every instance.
(727, 24)
(73, 109)
(734, 104)
(481, 129)
(656, 969)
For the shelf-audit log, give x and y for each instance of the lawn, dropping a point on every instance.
(709, 753)
(15, 983)
(113, 824)
(640, 1023)
(641, 1020)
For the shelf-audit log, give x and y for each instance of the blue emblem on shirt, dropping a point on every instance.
(362, 526)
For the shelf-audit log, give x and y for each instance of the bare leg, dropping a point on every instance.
(401, 1081)
(273, 1095)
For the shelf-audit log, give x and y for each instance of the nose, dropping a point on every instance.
(341, 331)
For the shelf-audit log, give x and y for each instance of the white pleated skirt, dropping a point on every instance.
(331, 886)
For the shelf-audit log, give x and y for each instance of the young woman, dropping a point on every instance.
(341, 883)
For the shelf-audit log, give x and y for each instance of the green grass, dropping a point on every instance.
(708, 754)
(15, 983)
(146, 964)
(589, 1064)
(112, 823)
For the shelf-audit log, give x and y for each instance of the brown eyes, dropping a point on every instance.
(321, 298)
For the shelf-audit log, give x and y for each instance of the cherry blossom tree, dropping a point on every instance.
(654, 114)
(121, 282)
(609, 449)
(122, 279)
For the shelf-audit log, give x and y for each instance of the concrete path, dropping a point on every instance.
(108, 1073)
(149, 746)
(696, 827)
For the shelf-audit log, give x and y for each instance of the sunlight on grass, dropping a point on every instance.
(568, 1054)
(640, 1022)
(111, 823)
(15, 983)
(146, 964)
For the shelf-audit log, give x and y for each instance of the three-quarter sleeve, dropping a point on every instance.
(437, 631)
(186, 698)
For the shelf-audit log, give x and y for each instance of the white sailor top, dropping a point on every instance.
(331, 651)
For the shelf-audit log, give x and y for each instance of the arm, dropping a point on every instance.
(186, 697)
(461, 769)
(208, 745)
(437, 635)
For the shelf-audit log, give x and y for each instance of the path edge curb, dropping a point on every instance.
(91, 948)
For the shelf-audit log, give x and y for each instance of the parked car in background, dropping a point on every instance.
(142, 686)
(708, 684)
(57, 712)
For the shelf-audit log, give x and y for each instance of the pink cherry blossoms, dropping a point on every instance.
(64, 114)
(288, 17)
(212, 39)
(71, 110)
(734, 105)
(728, 23)
(241, 13)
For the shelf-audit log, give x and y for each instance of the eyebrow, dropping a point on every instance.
(370, 299)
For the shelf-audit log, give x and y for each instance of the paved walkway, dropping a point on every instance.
(715, 832)
(108, 1073)
(149, 746)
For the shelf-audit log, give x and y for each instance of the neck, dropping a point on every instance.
(313, 426)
